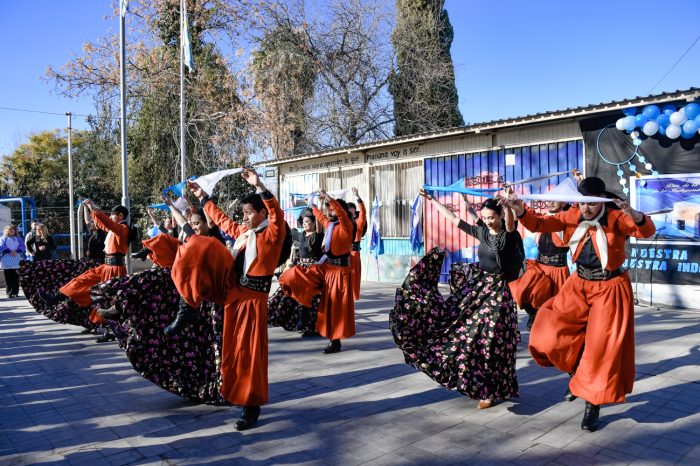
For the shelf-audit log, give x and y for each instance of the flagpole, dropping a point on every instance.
(71, 213)
(122, 89)
(183, 147)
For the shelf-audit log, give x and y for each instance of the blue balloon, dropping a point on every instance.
(651, 112)
(662, 130)
(663, 120)
(697, 120)
(690, 127)
(532, 252)
(632, 111)
(668, 109)
(528, 242)
(692, 110)
(686, 135)
(641, 120)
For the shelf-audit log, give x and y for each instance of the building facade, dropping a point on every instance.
(485, 155)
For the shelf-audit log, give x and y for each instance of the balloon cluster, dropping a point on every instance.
(667, 120)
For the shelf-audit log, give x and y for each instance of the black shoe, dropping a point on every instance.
(86, 331)
(248, 418)
(111, 313)
(333, 347)
(590, 417)
(185, 315)
(107, 336)
(142, 254)
(50, 298)
(309, 334)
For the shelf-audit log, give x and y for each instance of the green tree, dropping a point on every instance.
(284, 82)
(423, 85)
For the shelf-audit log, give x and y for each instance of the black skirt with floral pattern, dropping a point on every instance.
(465, 342)
(285, 312)
(47, 277)
(187, 364)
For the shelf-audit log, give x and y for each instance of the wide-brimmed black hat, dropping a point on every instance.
(594, 186)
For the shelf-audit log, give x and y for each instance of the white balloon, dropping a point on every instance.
(678, 118)
(619, 124)
(682, 110)
(650, 128)
(629, 123)
(673, 131)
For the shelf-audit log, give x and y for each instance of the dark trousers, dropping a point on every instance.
(12, 281)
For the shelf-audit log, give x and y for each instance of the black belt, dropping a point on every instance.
(114, 259)
(261, 284)
(597, 274)
(356, 246)
(556, 260)
(342, 260)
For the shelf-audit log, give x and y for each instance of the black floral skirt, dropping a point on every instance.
(48, 276)
(187, 364)
(285, 312)
(465, 342)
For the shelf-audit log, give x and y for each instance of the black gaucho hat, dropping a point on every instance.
(594, 186)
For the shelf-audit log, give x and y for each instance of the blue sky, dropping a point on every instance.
(512, 57)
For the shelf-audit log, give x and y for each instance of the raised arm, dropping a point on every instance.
(447, 213)
(534, 221)
(213, 212)
(633, 222)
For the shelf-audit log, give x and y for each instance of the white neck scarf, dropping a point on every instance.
(247, 241)
(602, 241)
(327, 242)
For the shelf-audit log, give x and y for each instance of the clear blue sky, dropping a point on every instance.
(512, 57)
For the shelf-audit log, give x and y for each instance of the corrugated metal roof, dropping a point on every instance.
(691, 93)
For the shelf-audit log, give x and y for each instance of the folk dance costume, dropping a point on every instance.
(543, 277)
(331, 277)
(587, 329)
(47, 277)
(467, 341)
(140, 306)
(77, 290)
(355, 258)
(285, 312)
(243, 283)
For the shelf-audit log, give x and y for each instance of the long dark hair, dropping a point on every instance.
(493, 204)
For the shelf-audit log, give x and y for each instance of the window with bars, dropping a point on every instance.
(396, 185)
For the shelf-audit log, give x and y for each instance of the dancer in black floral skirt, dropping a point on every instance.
(285, 312)
(466, 342)
(187, 364)
(50, 275)
(140, 306)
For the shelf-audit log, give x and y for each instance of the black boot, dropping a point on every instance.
(590, 417)
(531, 313)
(107, 336)
(248, 418)
(142, 254)
(111, 313)
(185, 315)
(49, 298)
(568, 396)
(333, 347)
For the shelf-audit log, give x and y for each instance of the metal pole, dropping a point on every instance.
(183, 142)
(125, 176)
(71, 211)
(79, 231)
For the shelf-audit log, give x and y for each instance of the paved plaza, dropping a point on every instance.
(67, 400)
